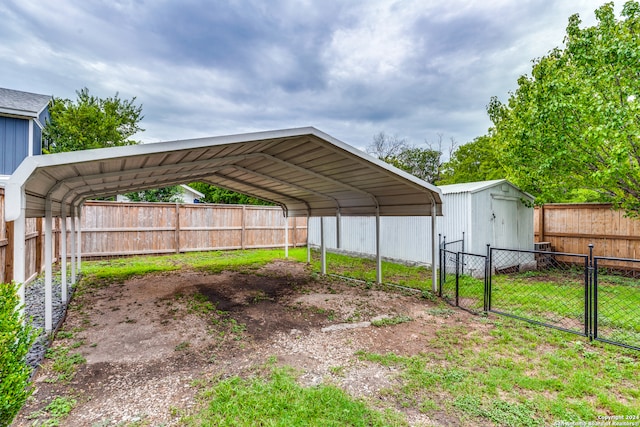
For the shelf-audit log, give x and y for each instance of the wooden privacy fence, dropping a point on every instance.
(572, 227)
(34, 245)
(116, 228)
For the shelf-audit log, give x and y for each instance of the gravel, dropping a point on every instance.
(35, 310)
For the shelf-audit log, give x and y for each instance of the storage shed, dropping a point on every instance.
(487, 212)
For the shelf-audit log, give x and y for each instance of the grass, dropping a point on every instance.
(63, 366)
(364, 269)
(55, 412)
(507, 373)
(275, 399)
(521, 375)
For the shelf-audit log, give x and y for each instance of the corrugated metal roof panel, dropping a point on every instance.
(303, 170)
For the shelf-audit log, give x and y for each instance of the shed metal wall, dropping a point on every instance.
(14, 143)
(407, 238)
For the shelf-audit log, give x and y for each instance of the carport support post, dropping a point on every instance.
(286, 237)
(378, 254)
(308, 245)
(434, 248)
(338, 230)
(48, 245)
(79, 235)
(63, 254)
(323, 249)
(72, 240)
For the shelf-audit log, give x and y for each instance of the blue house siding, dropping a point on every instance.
(43, 118)
(14, 146)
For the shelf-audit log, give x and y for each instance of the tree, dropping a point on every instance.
(572, 128)
(386, 147)
(424, 163)
(474, 161)
(91, 122)
(213, 194)
(164, 194)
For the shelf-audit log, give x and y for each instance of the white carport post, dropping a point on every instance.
(79, 236)
(72, 240)
(434, 246)
(378, 254)
(308, 245)
(338, 230)
(48, 261)
(286, 237)
(323, 249)
(63, 255)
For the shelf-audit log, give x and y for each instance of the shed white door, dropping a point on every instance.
(505, 222)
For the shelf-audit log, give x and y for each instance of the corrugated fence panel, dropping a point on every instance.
(401, 238)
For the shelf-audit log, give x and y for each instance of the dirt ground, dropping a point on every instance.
(148, 341)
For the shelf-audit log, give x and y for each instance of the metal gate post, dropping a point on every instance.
(590, 310)
(457, 276)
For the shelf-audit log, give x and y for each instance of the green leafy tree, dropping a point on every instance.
(213, 194)
(91, 122)
(474, 161)
(164, 194)
(15, 341)
(571, 130)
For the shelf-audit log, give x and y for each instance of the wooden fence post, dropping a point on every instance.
(39, 245)
(177, 233)
(541, 224)
(243, 228)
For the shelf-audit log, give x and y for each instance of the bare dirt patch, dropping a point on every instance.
(147, 342)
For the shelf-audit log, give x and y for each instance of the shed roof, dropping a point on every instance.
(18, 103)
(474, 187)
(304, 170)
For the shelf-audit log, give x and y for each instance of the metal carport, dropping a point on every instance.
(303, 170)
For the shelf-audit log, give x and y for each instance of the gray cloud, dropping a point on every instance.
(352, 69)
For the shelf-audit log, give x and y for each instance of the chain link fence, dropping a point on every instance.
(547, 288)
(597, 297)
(616, 301)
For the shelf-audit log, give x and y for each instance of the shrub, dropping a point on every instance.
(15, 341)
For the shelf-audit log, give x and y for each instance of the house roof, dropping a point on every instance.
(304, 170)
(474, 187)
(25, 104)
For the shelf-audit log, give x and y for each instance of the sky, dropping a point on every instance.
(423, 70)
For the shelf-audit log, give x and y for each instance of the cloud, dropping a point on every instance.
(352, 69)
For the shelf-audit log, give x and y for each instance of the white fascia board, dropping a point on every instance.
(17, 114)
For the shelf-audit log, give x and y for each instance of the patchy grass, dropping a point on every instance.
(519, 375)
(416, 277)
(55, 412)
(275, 399)
(388, 321)
(511, 373)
